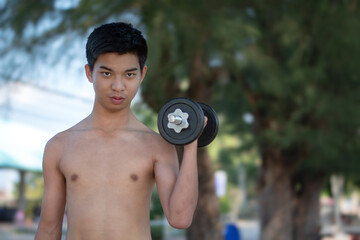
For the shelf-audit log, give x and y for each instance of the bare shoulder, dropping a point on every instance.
(158, 145)
(60, 139)
(154, 138)
(54, 148)
(163, 151)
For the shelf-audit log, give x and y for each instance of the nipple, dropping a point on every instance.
(134, 177)
(74, 177)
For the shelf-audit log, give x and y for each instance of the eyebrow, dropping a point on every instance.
(128, 70)
(131, 69)
(106, 68)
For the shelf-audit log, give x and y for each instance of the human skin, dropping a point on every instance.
(105, 167)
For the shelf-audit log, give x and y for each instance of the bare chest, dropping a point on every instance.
(94, 162)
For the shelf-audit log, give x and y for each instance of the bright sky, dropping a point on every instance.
(66, 78)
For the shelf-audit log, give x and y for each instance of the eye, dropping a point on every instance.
(130, 75)
(106, 74)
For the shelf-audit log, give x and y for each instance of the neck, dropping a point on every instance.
(109, 121)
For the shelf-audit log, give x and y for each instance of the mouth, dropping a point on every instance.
(117, 100)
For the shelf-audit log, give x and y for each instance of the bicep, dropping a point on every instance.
(166, 170)
(54, 197)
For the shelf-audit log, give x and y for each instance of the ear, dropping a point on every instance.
(143, 73)
(88, 73)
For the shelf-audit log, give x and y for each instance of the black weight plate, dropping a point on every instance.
(195, 120)
(212, 126)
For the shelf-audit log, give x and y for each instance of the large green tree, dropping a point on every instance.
(300, 78)
(292, 65)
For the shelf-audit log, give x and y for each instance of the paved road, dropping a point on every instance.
(11, 232)
(249, 231)
(8, 232)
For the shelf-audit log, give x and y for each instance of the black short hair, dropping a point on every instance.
(116, 37)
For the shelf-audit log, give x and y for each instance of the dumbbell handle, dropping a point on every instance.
(175, 119)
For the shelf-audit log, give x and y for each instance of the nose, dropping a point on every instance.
(118, 85)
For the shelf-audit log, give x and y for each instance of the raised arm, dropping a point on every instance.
(178, 189)
(54, 198)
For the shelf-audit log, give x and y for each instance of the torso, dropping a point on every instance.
(109, 183)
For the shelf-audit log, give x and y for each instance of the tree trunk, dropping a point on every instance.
(307, 207)
(206, 222)
(337, 190)
(275, 200)
(21, 201)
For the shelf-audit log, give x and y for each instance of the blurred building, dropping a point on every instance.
(29, 117)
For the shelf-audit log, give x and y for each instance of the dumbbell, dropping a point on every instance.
(181, 121)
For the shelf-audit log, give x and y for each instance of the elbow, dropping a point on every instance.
(180, 222)
(181, 216)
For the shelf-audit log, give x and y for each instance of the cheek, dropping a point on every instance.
(134, 86)
(99, 88)
(99, 83)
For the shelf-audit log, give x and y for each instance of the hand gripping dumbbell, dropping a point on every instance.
(181, 121)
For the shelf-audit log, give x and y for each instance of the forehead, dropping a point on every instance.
(117, 61)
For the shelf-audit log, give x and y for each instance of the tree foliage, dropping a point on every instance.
(289, 65)
(299, 76)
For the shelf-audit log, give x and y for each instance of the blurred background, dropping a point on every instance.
(283, 77)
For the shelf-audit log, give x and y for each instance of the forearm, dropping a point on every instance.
(183, 200)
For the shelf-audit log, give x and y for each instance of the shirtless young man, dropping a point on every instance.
(105, 167)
